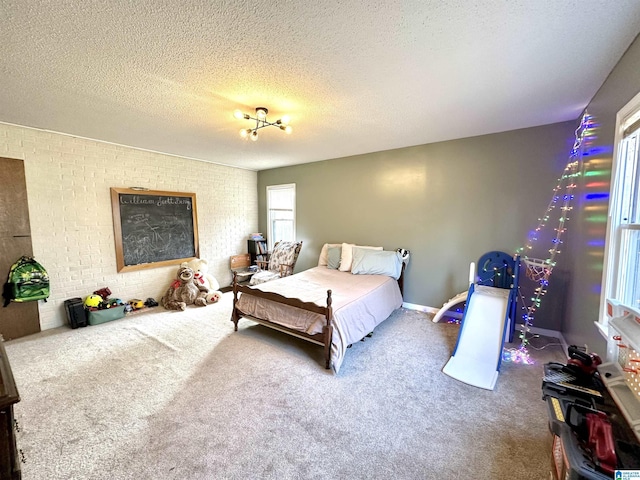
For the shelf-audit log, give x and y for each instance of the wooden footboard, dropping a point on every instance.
(323, 339)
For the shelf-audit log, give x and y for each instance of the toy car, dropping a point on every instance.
(136, 303)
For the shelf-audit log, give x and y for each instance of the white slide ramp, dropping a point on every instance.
(458, 299)
(477, 355)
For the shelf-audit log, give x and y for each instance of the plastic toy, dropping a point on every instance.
(136, 303)
(93, 301)
(488, 321)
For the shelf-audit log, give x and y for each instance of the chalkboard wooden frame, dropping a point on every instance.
(153, 228)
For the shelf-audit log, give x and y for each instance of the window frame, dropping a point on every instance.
(272, 188)
(626, 116)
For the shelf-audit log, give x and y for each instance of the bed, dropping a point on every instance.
(331, 307)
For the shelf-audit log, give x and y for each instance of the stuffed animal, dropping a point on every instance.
(201, 268)
(213, 297)
(403, 254)
(202, 276)
(184, 291)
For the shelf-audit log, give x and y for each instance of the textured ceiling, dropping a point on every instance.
(355, 77)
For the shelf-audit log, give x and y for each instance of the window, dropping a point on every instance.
(621, 275)
(281, 213)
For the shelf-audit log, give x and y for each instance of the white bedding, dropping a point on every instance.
(360, 303)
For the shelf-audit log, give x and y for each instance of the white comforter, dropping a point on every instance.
(360, 303)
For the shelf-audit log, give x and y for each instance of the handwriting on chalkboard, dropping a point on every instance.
(153, 228)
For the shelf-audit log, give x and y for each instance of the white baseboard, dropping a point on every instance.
(431, 310)
(549, 333)
(420, 308)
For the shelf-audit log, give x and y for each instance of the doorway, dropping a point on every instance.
(17, 319)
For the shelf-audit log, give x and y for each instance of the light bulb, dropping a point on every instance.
(261, 113)
(238, 114)
(285, 119)
(288, 129)
(244, 133)
(254, 135)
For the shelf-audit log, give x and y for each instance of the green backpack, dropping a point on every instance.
(28, 281)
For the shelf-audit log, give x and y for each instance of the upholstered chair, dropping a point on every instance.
(281, 262)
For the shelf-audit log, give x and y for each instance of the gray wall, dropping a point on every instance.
(450, 202)
(587, 234)
(447, 202)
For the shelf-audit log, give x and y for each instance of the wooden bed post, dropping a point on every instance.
(328, 332)
(234, 313)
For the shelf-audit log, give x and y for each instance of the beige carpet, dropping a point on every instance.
(179, 395)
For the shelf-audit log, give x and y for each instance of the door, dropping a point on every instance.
(17, 319)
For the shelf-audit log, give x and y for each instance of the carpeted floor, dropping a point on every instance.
(179, 395)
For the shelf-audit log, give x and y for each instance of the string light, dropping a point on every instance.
(540, 270)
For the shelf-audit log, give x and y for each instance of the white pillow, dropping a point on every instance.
(323, 261)
(347, 255)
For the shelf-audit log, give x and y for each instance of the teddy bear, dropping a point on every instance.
(184, 291)
(202, 276)
(213, 297)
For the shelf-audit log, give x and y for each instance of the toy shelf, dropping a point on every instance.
(622, 377)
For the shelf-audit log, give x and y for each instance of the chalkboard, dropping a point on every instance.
(153, 228)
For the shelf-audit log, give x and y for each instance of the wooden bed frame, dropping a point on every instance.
(323, 339)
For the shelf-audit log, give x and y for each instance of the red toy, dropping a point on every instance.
(103, 292)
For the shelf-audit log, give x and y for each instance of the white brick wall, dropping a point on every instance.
(68, 181)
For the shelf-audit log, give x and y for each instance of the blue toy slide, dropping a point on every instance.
(487, 322)
(476, 359)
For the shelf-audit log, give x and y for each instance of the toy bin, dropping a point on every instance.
(97, 317)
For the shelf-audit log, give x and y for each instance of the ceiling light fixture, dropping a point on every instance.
(261, 122)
